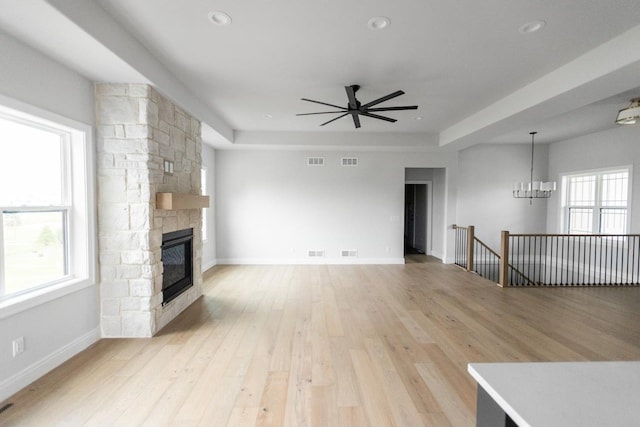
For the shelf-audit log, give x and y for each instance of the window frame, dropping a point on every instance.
(78, 200)
(597, 206)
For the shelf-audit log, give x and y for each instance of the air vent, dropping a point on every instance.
(349, 161)
(348, 253)
(316, 254)
(315, 161)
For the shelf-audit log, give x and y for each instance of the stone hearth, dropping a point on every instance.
(138, 129)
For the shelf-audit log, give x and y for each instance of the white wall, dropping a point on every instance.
(441, 223)
(273, 208)
(60, 328)
(418, 174)
(31, 77)
(485, 184)
(209, 244)
(616, 147)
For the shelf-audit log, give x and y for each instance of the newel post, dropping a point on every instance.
(470, 247)
(504, 259)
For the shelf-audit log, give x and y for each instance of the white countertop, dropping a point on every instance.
(566, 394)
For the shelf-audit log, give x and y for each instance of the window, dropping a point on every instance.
(597, 202)
(46, 223)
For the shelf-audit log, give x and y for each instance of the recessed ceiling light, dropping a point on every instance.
(532, 27)
(219, 18)
(378, 23)
(268, 116)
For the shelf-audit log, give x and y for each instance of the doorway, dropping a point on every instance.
(417, 217)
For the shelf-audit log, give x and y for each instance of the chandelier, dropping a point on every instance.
(533, 189)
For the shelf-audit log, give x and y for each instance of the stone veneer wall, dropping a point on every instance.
(137, 129)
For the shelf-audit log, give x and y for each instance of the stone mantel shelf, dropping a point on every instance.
(176, 201)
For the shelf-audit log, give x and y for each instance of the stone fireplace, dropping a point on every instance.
(138, 132)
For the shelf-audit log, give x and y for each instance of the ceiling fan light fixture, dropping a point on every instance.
(219, 18)
(355, 108)
(629, 115)
(378, 23)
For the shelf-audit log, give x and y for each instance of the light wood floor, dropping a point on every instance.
(329, 346)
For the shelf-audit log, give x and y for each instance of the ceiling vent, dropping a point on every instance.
(349, 161)
(316, 253)
(315, 161)
(348, 253)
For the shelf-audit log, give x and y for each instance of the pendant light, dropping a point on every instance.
(533, 189)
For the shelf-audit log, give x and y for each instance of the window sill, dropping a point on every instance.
(14, 305)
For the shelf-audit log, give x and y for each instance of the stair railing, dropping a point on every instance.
(474, 255)
(573, 259)
(552, 259)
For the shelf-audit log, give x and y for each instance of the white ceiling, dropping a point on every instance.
(463, 62)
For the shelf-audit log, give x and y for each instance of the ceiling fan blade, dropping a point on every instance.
(356, 120)
(384, 98)
(376, 116)
(324, 103)
(322, 112)
(334, 119)
(351, 94)
(408, 107)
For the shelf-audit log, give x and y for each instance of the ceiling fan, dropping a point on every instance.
(356, 109)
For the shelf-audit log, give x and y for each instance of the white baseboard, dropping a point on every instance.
(444, 259)
(209, 264)
(31, 373)
(304, 261)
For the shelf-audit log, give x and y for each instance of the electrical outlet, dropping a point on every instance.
(18, 346)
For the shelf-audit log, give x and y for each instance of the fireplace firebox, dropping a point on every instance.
(177, 256)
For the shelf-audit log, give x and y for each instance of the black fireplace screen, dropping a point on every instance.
(177, 255)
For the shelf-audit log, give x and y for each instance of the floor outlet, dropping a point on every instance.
(18, 346)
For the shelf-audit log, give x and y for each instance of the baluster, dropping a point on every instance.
(636, 260)
(626, 245)
(603, 253)
(636, 257)
(605, 246)
(616, 260)
(619, 259)
(590, 264)
(517, 255)
(556, 251)
(539, 279)
(580, 277)
(573, 260)
(549, 264)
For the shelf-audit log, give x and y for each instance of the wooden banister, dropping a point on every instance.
(470, 238)
(504, 259)
(574, 235)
